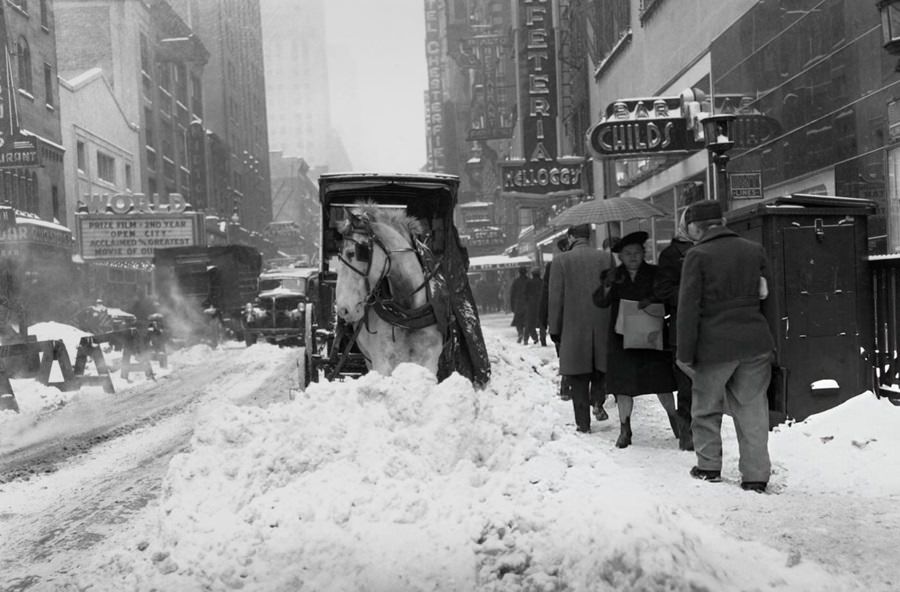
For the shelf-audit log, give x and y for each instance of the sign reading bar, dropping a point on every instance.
(134, 236)
(635, 127)
(642, 126)
(37, 233)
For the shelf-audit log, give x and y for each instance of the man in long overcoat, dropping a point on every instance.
(725, 342)
(518, 303)
(532, 305)
(580, 328)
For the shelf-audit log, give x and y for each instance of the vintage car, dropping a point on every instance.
(281, 312)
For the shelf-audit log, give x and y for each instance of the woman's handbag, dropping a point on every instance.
(641, 328)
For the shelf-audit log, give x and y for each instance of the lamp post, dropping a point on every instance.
(717, 132)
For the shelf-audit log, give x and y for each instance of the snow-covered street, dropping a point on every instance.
(399, 483)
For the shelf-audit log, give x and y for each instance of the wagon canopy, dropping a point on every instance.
(431, 198)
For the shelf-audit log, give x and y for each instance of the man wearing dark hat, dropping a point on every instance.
(724, 341)
(579, 327)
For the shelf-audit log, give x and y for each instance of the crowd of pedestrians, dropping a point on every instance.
(709, 339)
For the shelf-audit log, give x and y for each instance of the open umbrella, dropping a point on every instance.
(601, 211)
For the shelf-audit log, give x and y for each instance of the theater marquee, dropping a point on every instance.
(135, 236)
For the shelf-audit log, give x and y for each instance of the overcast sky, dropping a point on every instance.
(376, 69)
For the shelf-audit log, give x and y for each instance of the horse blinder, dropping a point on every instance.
(363, 252)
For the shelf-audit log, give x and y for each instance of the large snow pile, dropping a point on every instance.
(398, 483)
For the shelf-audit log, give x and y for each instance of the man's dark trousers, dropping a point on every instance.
(586, 389)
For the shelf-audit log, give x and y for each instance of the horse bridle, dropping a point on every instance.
(385, 305)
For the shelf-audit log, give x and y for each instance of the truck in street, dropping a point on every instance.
(202, 290)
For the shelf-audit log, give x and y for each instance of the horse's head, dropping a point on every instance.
(371, 251)
(362, 264)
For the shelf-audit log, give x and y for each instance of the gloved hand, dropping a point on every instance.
(555, 338)
(606, 278)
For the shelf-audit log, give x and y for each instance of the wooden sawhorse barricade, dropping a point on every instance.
(47, 352)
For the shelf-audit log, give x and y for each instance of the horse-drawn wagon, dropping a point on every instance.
(393, 286)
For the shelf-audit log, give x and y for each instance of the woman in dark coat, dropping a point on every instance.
(632, 372)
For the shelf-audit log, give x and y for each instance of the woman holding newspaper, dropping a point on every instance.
(637, 360)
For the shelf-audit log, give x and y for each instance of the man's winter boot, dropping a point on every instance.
(624, 439)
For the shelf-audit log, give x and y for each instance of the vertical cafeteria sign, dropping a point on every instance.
(16, 150)
(434, 99)
(540, 173)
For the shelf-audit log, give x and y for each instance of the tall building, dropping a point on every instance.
(30, 37)
(154, 65)
(35, 248)
(295, 206)
(506, 108)
(297, 92)
(234, 109)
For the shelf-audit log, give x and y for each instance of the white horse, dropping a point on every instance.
(381, 283)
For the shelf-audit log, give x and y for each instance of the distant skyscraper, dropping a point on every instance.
(236, 176)
(297, 94)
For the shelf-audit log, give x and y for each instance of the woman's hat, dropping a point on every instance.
(708, 209)
(635, 238)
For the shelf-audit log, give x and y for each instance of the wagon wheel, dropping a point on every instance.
(310, 369)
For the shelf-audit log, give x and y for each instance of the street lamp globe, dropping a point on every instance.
(717, 131)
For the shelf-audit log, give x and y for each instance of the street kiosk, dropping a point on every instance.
(821, 309)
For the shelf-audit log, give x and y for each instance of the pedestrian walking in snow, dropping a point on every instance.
(725, 343)
(579, 327)
(633, 371)
(665, 289)
(518, 303)
(562, 245)
(533, 289)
